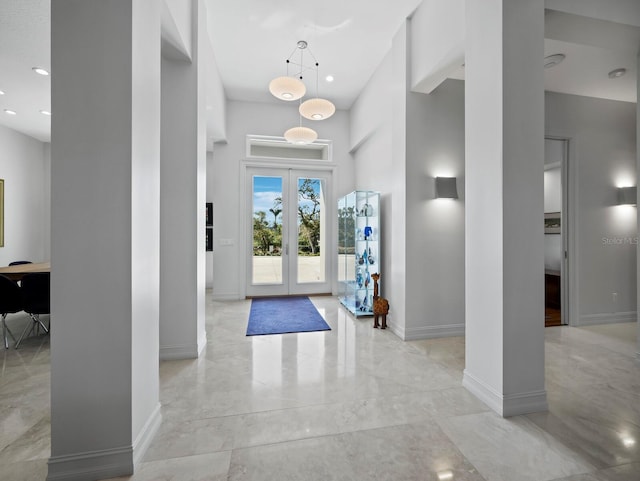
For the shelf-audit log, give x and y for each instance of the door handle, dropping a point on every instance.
(286, 249)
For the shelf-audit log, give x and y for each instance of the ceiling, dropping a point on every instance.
(252, 38)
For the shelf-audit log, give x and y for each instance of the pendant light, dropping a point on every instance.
(317, 108)
(287, 88)
(300, 135)
(290, 88)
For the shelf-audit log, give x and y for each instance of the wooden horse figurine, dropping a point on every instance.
(380, 305)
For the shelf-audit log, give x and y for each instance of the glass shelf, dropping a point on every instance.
(357, 218)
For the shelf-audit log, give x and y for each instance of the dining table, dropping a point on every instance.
(15, 273)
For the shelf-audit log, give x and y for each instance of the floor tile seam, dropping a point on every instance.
(312, 405)
(580, 457)
(411, 386)
(186, 456)
(338, 434)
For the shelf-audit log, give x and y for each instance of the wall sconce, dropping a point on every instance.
(446, 188)
(627, 195)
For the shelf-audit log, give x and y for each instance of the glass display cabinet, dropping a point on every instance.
(358, 250)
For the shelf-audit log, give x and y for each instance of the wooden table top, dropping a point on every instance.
(15, 273)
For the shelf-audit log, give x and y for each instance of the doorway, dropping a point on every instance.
(556, 210)
(288, 231)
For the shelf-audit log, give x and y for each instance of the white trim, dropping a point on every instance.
(202, 342)
(607, 318)
(146, 435)
(174, 353)
(524, 403)
(482, 391)
(433, 332)
(323, 145)
(327, 169)
(570, 211)
(506, 405)
(106, 463)
(103, 464)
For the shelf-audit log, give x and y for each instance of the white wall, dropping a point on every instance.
(603, 155)
(225, 188)
(402, 141)
(435, 227)
(437, 42)
(25, 168)
(377, 123)
(176, 26)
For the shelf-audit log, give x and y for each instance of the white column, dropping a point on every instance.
(183, 186)
(638, 248)
(504, 152)
(105, 187)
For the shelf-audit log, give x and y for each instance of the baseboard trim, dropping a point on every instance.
(91, 465)
(607, 318)
(146, 435)
(509, 405)
(174, 353)
(482, 391)
(202, 342)
(433, 332)
(525, 403)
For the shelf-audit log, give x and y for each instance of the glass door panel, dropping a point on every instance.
(288, 232)
(311, 258)
(267, 267)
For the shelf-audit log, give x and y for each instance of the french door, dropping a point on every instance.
(288, 232)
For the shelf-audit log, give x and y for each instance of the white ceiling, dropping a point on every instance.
(252, 38)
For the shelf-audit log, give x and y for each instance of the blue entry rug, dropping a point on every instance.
(280, 315)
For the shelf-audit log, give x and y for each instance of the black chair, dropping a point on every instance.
(36, 300)
(19, 263)
(10, 302)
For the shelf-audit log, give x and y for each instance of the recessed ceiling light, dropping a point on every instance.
(553, 60)
(40, 70)
(45, 112)
(1, 92)
(617, 73)
(329, 78)
(9, 112)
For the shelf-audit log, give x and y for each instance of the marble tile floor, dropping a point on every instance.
(354, 403)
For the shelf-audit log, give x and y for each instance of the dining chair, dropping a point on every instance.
(19, 263)
(36, 300)
(10, 302)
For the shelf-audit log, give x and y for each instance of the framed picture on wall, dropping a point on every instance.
(552, 223)
(1, 212)
(210, 214)
(209, 239)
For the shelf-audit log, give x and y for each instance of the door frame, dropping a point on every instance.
(569, 267)
(245, 225)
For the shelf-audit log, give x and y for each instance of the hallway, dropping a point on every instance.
(355, 403)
